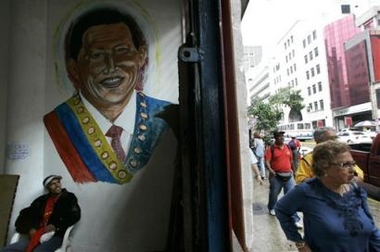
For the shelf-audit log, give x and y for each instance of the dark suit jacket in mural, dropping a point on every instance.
(84, 149)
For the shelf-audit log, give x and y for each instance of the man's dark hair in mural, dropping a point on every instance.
(108, 129)
(101, 17)
(74, 37)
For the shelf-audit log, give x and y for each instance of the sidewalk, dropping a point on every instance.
(268, 235)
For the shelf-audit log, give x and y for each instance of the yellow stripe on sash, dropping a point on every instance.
(98, 141)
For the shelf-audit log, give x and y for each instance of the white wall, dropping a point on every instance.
(25, 98)
(5, 13)
(130, 217)
(241, 94)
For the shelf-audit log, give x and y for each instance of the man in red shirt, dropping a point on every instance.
(279, 161)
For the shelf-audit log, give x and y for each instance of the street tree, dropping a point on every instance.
(290, 98)
(266, 116)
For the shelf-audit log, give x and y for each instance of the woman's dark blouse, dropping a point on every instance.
(331, 222)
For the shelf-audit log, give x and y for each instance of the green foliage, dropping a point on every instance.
(266, 116)
(288, 97)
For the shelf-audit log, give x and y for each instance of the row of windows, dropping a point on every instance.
(287, 43)
(290, 56)
(309, 57)
(313, 89)
(313, 71)
(317, 106)
(277, 79)
(309, 37)
(293, 83)
(291, 69)
(276, 68)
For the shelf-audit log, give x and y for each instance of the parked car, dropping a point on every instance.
(372, 134)
(367, 157)
(351, 137)
(349, 129)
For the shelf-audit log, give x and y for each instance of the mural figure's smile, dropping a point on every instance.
(112, 82)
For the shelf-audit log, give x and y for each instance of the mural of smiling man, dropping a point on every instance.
(108, 129)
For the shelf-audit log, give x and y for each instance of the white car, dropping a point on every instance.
(351, 137)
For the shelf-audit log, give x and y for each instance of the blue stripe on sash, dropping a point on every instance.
(80, 141)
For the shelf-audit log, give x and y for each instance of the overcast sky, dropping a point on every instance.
(266, 21)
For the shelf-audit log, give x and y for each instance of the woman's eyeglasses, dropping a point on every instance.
(345, 164)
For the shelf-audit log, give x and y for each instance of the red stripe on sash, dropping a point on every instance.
(66, 149)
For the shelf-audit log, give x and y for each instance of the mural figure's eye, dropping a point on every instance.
(125, 49)
(96, 55)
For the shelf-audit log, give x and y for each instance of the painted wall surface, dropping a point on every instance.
(129, 216)
(4, 59)
(25, 99)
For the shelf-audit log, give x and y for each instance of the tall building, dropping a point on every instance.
(258, 82)
(362, 63)
(252, 56)
(336, 34)
(300, 65)
(311, 57)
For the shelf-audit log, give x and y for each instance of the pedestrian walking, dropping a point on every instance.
(259, 148)
(278, 158)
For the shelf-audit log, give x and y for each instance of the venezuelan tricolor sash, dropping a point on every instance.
(84, 149)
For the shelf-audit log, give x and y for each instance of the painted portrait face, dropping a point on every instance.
(108, 65)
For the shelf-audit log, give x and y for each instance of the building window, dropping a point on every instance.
(285, 45)
(291, 38)
(309, 91)
(318, 69)
(304, 43)
(296, 80)
(316, 53)
(345, 9)
(312, 72)
(308, 39)
(310, 107)
(294, 66)
(286, 58)
(314, 89)
(315, 106)
(291, 69)
(321, 105)
(307, 75)
(306, 59)
(311, 55)
(293, 53)
(287, 71)
(320, 86)
(314, 35)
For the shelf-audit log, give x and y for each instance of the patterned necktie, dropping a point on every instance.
(115, 132)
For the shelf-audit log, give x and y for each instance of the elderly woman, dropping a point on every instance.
(335, 211)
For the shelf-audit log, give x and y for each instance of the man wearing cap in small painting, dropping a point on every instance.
(45, 221)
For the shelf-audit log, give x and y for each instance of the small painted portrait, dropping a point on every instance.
(109, 128)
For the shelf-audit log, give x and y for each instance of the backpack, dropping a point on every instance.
(292, 145)
(253, 146)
